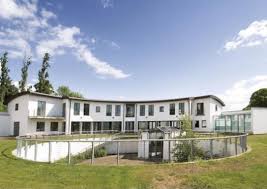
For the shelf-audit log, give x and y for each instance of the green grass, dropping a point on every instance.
(246, 171)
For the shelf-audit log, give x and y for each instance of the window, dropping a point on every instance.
(86, 108)
(151, 110)
(64, 110)
(76, 108)
(41, 108)
(40, 126)
(200, 108)
(161, 109)
(118, 110)
(54, 126)
(142, 110)
(97, 109)
(204, 124)
(181, 108)
(130, 109)
(172, 109)
(197, 124)
(216, 108)
(108, 110)
(16, 107)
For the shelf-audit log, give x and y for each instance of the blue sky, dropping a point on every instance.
(147, 49)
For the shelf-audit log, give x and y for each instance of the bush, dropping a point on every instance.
(182, 152)
(3, 108)
(99, 152)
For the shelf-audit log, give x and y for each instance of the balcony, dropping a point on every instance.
(48, 116)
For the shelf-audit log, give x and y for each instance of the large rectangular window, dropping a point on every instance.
(142, 110)
(54, 126)
(130, 110)
(118, 110)
(181, 108)
(172, 109)
(41, 108)
(76, 108)
(151, 110)
(200, 108)
(86, 109)
(40, 127)
(108, 110)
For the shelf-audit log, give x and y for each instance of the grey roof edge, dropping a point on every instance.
(114, 101)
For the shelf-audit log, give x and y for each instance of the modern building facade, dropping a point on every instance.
(36, 113)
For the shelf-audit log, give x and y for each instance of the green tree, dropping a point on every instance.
(186, 126)
(65, 91)
(24, 75)
(5, 81)
(258, 99)
(43, 85)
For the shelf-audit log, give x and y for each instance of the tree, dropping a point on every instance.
(65, 91)
(43, 85)
(5, 80)
(24, 74)
(258, 99)
(186, 126)
(6, 87)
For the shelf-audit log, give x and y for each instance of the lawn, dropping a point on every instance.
(246, 171)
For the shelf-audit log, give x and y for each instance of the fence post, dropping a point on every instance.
(235, 145)
(118, 152)
(191, 152)
(245, 142)
(69, 152)
(25, 149)
(93, 153)
(211, 148)
(241, 143)
(35, 151)
(50, 152)
(225, 147)
(169, 150)
(144, 150)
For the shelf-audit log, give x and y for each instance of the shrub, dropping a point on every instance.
(182, 151)
(99, 152)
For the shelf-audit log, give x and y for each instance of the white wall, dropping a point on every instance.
(4, 124)
(259, 120)
(20, 115)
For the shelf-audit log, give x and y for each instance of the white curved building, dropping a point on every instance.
(37, 113)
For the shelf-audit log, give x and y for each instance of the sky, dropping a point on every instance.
(142, 49)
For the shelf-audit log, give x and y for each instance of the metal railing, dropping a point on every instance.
(127, 151)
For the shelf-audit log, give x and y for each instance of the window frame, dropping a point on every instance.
(51, 125)
(172, 109)
(142, 110)
(203, 121)
(201, 110)
(161, 109)
(86, 106)
(97, 109)
(41, 108)
(151, 110)
(40, 130)
(76, 108)
(108, 110)
(181, 108)
(117, 110)
(16, 106)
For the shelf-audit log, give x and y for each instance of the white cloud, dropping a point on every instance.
(31, 32)
(107, 3)
(255, 34)
(11, 9)
(237, 97)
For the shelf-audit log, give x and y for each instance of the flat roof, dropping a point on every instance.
(115, 101)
